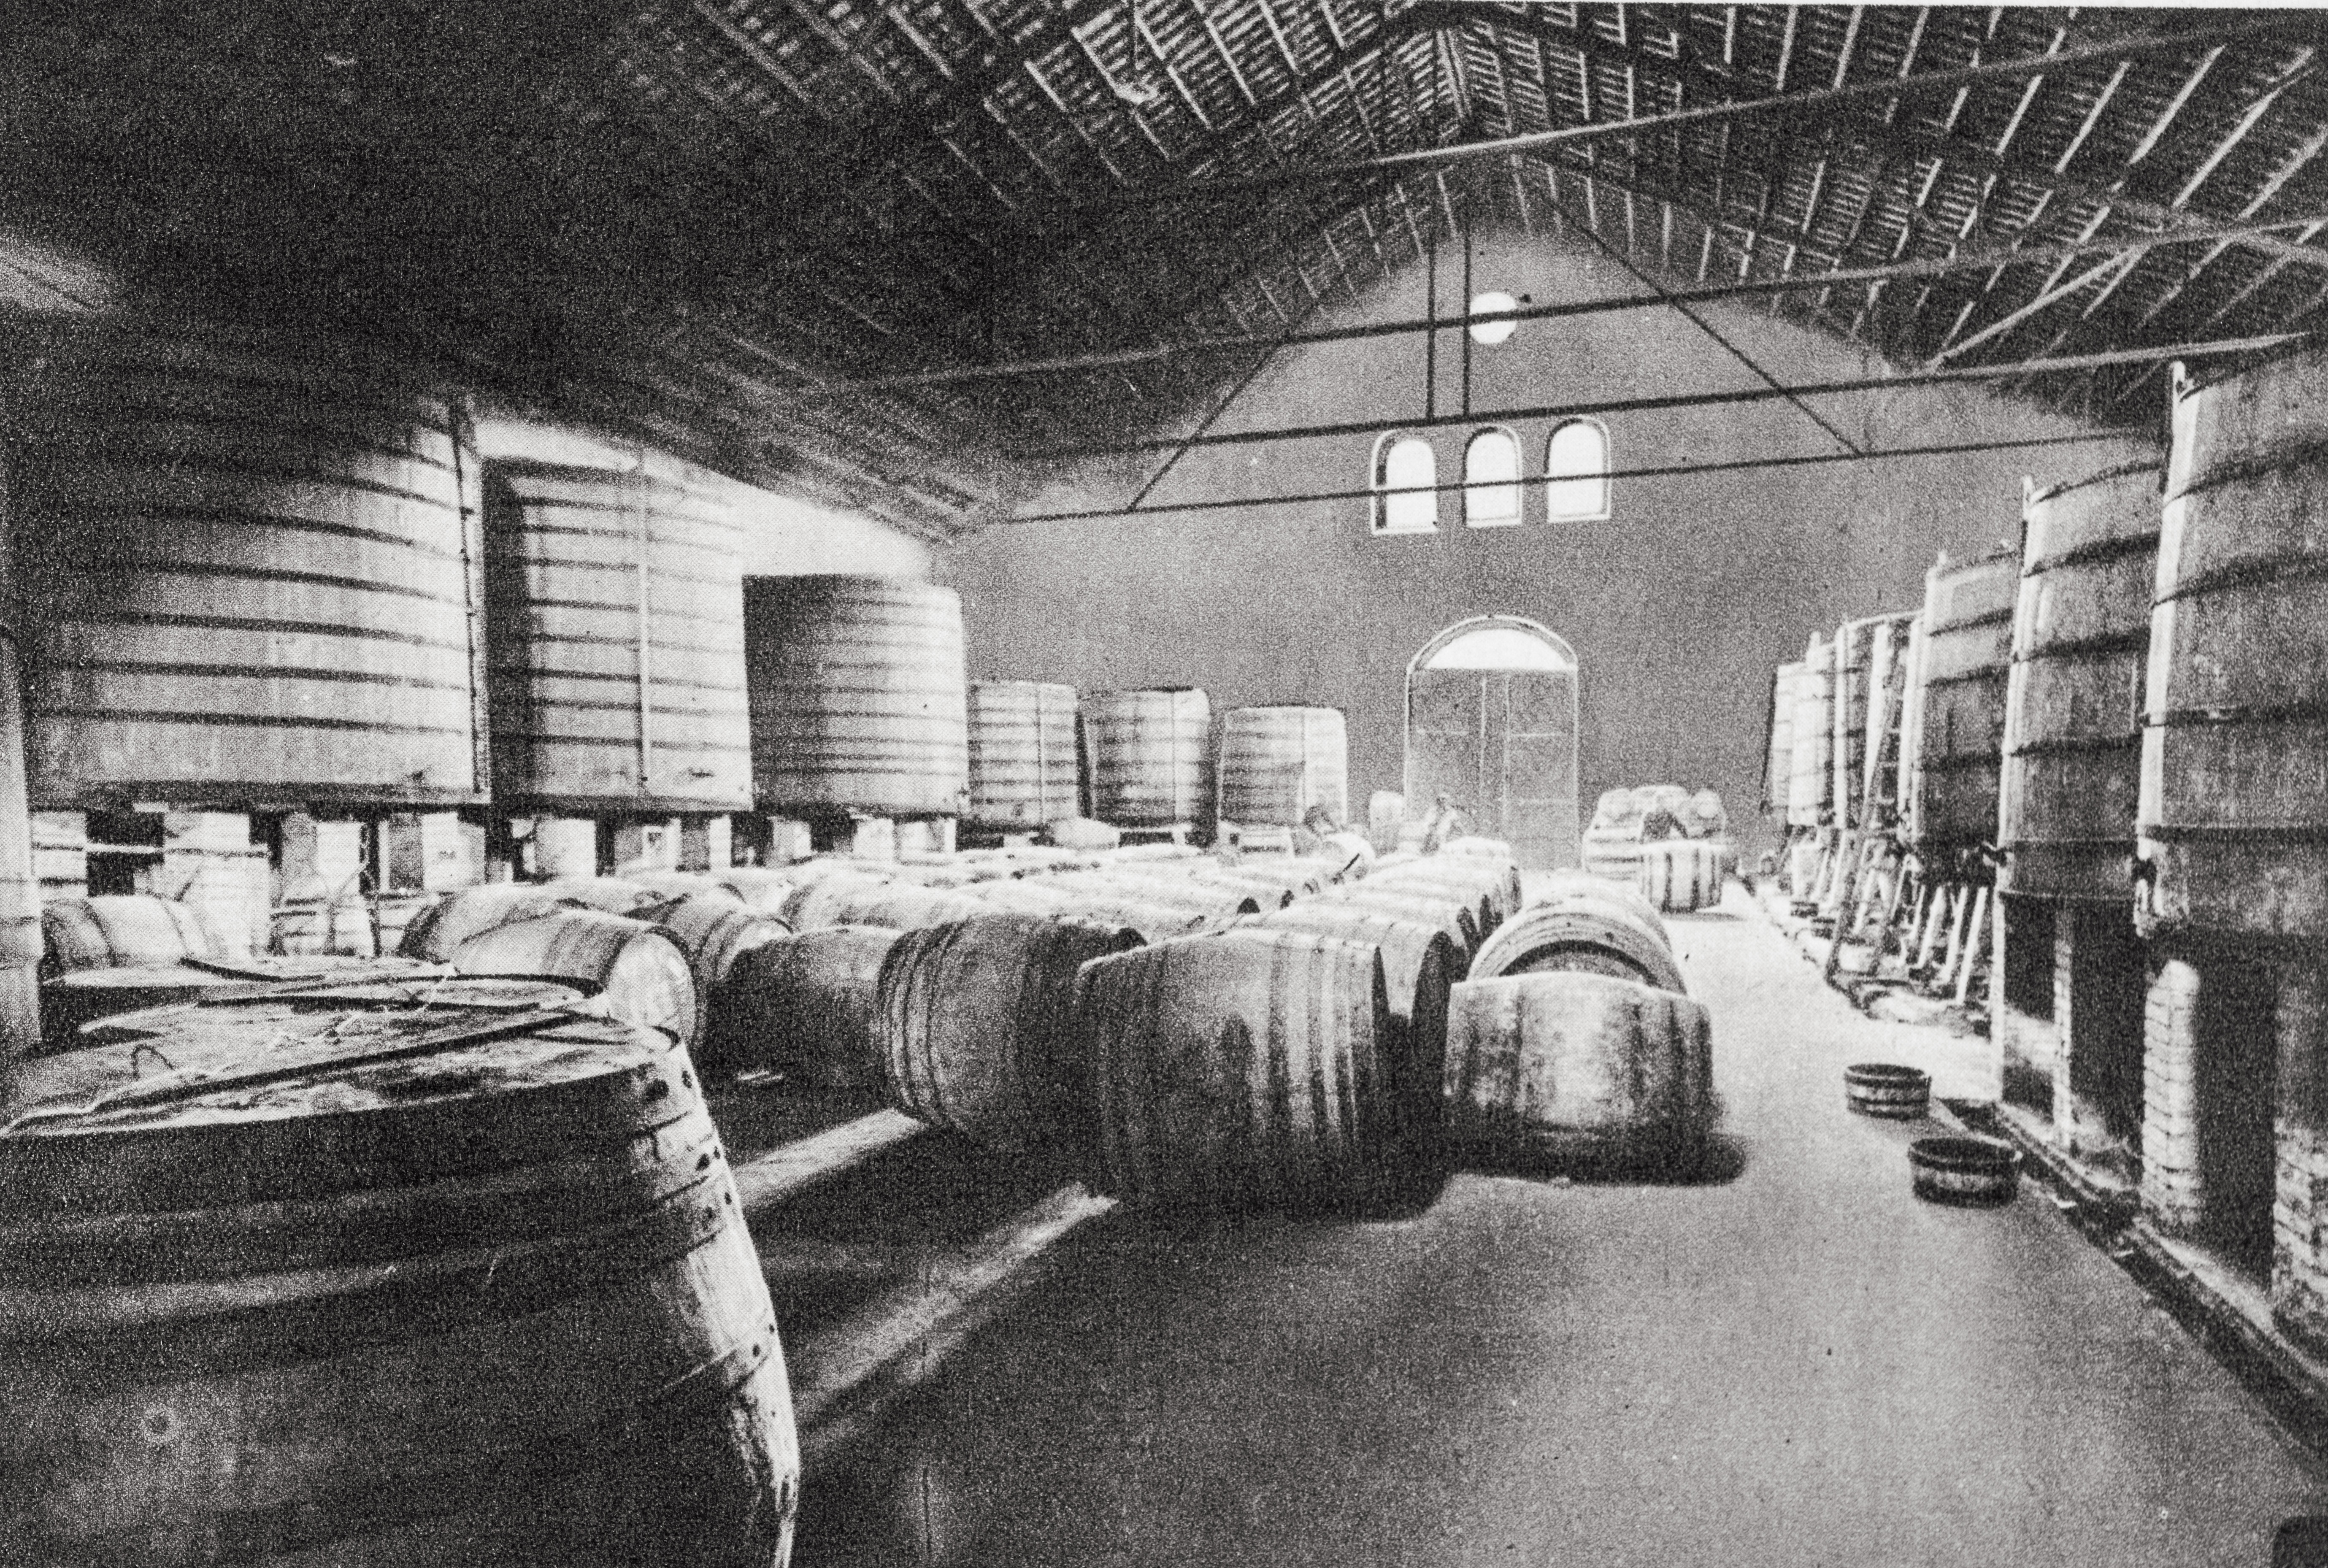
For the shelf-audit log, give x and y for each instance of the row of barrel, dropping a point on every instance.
(529, 1324)
(2138, 688)
(799, 971)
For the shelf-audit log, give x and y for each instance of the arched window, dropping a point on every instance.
(1407, 474)
(1491, 462)
(1576, 469)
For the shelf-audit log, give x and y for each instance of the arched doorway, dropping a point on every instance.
(1491, 725)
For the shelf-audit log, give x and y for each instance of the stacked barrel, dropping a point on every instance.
(2067, 1021)
(2233, 825)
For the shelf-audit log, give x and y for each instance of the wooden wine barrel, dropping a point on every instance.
(1612, 854)
(124, 931)
(1420, 961)
(1151, 756)
(416, 1283)
(1385, 815)
(1217, 903)
(713, 928)
(1578, 1072)
(859, 695)
(1452, 913)
(1955, 748)
(1277, 764)
(613, 895)
(1154, 921)
(1707, 817)
(1779, 760)
(1588, 937)
(1681, 875)
(2073, 710)
(1241, 1072)
(1616, 808)
(1478, 882)
(437, 932)
(979, 1028)
(1583, 887)
(1022, 755)
(252, 565)
(807, 1007)
(616, 628)
(2233, 811)
(639, 976)
(861, 901)
(1809, 799)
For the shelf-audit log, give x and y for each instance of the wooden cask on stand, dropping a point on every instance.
(2073, 710)
(858, 695)
(1277, 765)
(1021, 755)
(1952, 742)
(617, 642)
(1151, 755)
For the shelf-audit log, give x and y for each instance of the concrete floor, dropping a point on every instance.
(1799, 1365)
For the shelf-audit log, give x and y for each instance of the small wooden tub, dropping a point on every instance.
(1977, 1172)
(1882, 1089)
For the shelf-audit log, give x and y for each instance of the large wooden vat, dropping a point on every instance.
(2073, 711)
(1871, 678)
(1779, 759)
(1151, 755)
(858, 695)
(1022, 755)
(409, 1279)
(254, 574)
(1954, 737)
(1279, 764)
(2234, 801)
(616, 626)
(1811, 739)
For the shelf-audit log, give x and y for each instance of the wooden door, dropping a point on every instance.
(1502, 745)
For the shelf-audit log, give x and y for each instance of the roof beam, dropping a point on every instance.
(1816, 100)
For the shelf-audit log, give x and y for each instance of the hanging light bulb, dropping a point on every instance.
(1491, 316)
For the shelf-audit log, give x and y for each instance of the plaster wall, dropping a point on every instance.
(1678, 604)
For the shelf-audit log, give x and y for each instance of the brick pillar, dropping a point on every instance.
(2299, 1218)
(2172, 1194)
(647, 844)
(2097, 983)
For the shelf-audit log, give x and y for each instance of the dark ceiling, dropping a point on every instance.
(684, 219)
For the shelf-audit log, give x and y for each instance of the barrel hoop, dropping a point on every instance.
(2215, 832)
(691, 616)
(412, 1298)
(247, 721)
(2302, 454)
(1956, 763)
(663, 682)
(2294, 568)
(2130, 641)
(1963, 678)
(253, 623)
(1993, 619)
(2093, 551)
(316, 1520)
(2121, 471)
(123, 405)
(261, 671)
(2123, 843)
(162, 568)
(213, 464)
(2238, 713)
(277, 520)
(2080, 745)
(623, 568)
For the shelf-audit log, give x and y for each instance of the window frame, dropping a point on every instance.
(1378, 504)
(1519, 513)
(1553, 481)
